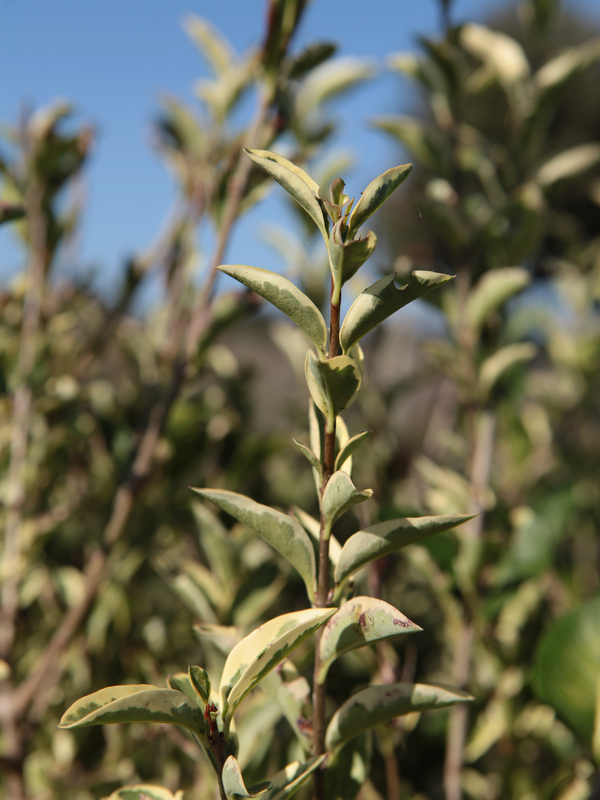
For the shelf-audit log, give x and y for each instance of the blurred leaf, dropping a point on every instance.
(497, 365)
(491, 292)
(339, 495)
(569, 164)
(424, 142)
(223, 637)
(566, 66)
(260, 652)
(381, 300)
(212, 44)
(329, 80)
(375, 195)
(387, 537)
(567, 667)
(502, 54)
(312, 56)
(348, 768)
(378, 704)
(10, 212)
(291, 778)
(333, 384)
(141, 703)
(144, 791)
(358, 622)
(285, 296)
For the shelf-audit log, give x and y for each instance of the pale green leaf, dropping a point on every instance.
(144, 791)
(223, 637)
(567, 65)
(569, 164)
(140, 703)
(375, 195)
(180, 682)
(387, 537)
(345, 454)
(279, 530)
(348, 768)
(309, 456)
(215, 543)
(491, 291)
(347, 257)
(333, 384)
(502, 54)
(497, 365)
(200, 682)
(358, 622)
(290, 691)
(339, 495)
(233, 782)
(316, 441)
(291, 778)
(295, 181)
(425, 143)
(329, 80)
(217, 50)
(285, 296)
(260, 652)
(378, 704)
(381, 300)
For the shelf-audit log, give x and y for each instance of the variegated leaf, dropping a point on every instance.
(290, 691)
(381, 300)
(339, 495)
(347, 257)
(295, 181)
(387, 537)
(223, 637)
(333, 384)
(309, 456)
(378, 704)
(313, 527)
(345, 454)
(280, 530)
(144, 791)
(200, 682)
(375, 195)
(180, 682)
(358, 622)
(257, 654)
(291, 778)
(135, 704)
(234, 785)
(285, 296)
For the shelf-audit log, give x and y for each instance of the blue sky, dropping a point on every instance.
(113, 59)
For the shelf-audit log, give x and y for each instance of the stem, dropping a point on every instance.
(319, 689)
(484, 425)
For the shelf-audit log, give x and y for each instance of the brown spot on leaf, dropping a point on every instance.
(404, 623)
(362, 621)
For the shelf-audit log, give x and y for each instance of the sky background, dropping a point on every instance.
(114, 59)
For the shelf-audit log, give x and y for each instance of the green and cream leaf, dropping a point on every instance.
(375, 195)
(291, 778)
(333, 384)
(339, 495)
(345, 454)
(379, 704)
(200, 682)
(358, 622)
(285, 296)
(233, 782)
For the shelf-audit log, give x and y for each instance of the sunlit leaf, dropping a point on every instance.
(140, 703)
(375, 195)
(295, 181)
(290, 691)
(348, 768)
(387, 537)
(333, 384)
(339, 495)
(329, 80)
(200, 682)
(381, 300)
(234, 785)
(280, 530)
(503, 55)
(345, 454)
(570, 63)
(358, 622)
(378, 704)
(309, 456)
(491, 292)
(347, 257)
(259, 652)
(285, 296)
(569, 164)
(313, 528)
(213, 46)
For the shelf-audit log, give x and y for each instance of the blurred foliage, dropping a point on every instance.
(500, 415)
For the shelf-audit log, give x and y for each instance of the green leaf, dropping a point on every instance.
(285, 296)
(375, 195)
(378, 704)
(347, 257)
(214, 540)
(496, 366)
(339, 495)
(569, 164)
(387, 537)
(346, 451)
(381, 300)
(279, 530)
(259, 652)
(333, 384)
(144, 791)
(222, 637)
(313, 527)
(295, 181)
(291, 778)
(290, 691)
(309, 455)
(180, 682)
(315, 426)
(348, 768)
(567, 667)
(358, 622)
(142, 703)
(491, 291)
(234, 785)
(201, 683)
(309, 58)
